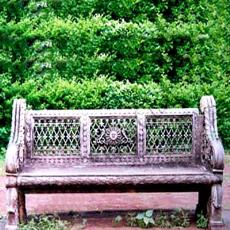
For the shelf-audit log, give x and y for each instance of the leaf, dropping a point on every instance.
(149, 213)
(140, 216)
(118, 219)
(151, 221)
(146, 220)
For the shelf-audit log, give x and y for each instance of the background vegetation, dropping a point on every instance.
(114, 54)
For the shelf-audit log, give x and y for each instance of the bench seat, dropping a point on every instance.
(85, 175)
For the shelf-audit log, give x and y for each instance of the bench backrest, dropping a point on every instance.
(112, 137)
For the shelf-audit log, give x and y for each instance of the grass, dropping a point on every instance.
(2, 166)
(227, 159)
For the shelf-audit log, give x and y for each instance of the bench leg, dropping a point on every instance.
(12, 209)
(210, 204)
(215, 207)
(203, 201)
(22, 207)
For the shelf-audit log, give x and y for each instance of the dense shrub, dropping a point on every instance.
(153, 53)
(102, 92)
(135, 10)
(137, 52)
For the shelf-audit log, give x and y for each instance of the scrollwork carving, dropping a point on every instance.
(217, 195)
(113, 136)
(213, 151)
(16, 148)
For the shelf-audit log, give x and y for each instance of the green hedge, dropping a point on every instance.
(103, 92)
(138, 52)
(129, 10)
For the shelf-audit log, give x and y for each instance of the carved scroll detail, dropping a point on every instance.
(113, 136)
(15, 150)
(213, 153)
(85, 137)
(22, 132)
(141, 135)
(217, 196)
(24, 181)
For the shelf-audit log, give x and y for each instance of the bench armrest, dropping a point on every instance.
(15, 149)
(12, 158)
(213, 148)
(218, 155)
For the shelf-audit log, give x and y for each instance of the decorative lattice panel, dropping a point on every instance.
(58, 137)
(113, 136)
(169, 135)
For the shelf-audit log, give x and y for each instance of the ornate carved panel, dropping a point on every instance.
(113, 136)
(169, 134)
(207, 154)
(56, 137)
(109, 136)
(213, 151)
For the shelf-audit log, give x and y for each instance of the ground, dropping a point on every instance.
(90, 205)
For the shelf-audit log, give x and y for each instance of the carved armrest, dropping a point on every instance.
(218, 155)
(14, 153)
(12, 164)
(213, 146)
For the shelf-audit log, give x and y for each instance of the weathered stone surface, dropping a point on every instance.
(115, 151)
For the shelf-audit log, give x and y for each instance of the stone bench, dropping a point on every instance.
(142, 150)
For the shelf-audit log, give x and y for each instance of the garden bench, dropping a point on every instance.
(141, 150)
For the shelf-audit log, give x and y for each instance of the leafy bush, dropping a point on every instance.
(45, 44)
(202, 221)
(103, 92)
(136, 10)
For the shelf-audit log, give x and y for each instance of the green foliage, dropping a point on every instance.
(144, 219)
(2, 164)
(162, 221)
(71, 46)
(126, 9)
(44, 223)
(102, 92)
(221, 91)
(154, 54)
(179, 218)
(202, 221)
